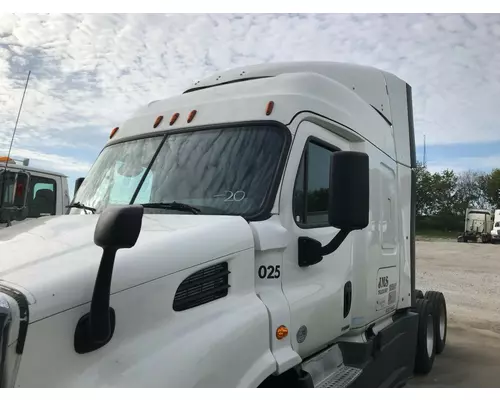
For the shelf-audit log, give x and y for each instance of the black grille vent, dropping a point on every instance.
(202, 287)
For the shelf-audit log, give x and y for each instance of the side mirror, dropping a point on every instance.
(78, 183)
(349, 197)
(348, 204)
(117, 228)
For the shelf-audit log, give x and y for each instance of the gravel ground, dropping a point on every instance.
(469, 276)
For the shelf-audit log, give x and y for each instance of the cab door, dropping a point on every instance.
(318, 294)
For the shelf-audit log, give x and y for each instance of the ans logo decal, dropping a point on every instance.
(383, 282)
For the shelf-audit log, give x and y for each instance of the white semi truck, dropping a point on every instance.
(478, 225)
(256, 231)
(27, 192)
(495, 231)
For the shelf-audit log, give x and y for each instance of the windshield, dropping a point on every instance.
(219, 171)
(477, 216)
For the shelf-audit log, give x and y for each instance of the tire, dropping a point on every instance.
(426, 342)
(438, 303)
(419, 294)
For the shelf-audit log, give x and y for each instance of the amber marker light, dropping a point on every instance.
(269, 108)
(191, 116)
(113, 132)
(281, 332)
(174, 118)
(158, 120)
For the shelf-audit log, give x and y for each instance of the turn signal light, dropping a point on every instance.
(281, 332)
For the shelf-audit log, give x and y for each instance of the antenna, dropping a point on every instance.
(13, 135)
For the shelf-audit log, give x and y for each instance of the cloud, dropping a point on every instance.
(50, 161)
(90, 72)
(461, 164)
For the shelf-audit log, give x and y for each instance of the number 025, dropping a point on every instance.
(269, 272)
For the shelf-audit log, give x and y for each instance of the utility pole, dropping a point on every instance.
(425, 154)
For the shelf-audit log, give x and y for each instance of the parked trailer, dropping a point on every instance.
(268, 220)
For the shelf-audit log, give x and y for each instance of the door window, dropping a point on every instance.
(42, 197)
(310, 197)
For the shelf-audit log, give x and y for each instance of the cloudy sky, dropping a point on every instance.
(90, 72)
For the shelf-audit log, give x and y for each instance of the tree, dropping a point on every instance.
(424, 197)
(443, 191)
(492, 188)
(470, 191)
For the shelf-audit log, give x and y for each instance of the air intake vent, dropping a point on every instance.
(202, 287)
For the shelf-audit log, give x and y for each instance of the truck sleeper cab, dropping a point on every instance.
(258, 229)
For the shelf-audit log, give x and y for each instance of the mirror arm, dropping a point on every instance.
(335, 243)
(99, 317)
(311, 251)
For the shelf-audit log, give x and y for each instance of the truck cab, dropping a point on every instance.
(257, 230)
(495, 232)
(478, 225)
(28, 192)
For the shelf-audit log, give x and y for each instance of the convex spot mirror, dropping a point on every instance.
(349, 196)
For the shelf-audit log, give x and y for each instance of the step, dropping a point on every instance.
(342, 377)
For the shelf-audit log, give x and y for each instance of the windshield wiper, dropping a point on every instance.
(173, 206)
(82, 207)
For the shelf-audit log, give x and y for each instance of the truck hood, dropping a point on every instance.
(54, 260)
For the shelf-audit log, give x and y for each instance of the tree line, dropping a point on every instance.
(443, 197)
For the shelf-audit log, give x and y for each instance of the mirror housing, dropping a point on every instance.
(117, 228)
(78, 183)
(349, 196)
(348, 204)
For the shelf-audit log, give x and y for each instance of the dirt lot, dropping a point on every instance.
(469, 276)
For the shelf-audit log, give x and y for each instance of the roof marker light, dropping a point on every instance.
(158, 120)
(191, 116)
(174, 118)
(269, 108)
(113, 132)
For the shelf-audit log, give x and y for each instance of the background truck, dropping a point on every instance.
(478, 225)
(495, 232)
(27, 192)
(256, 231)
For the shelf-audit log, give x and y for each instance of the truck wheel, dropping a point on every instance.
(419, 294)
(440, 318)
(426, 343)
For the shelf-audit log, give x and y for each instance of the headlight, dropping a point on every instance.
(13, 327)
(5, 324)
